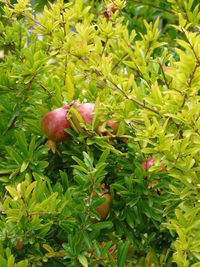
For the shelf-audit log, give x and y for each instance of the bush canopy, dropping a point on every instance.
(138, 63)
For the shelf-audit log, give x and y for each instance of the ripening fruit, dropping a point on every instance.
(20, 245)
(110, 9)
(55, 122)
(86, 110)
(104, 208)
(113, 125)
(146, 165)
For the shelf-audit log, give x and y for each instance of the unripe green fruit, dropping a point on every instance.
(55, 122)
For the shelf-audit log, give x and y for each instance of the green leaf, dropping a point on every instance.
(95, 120)
(3, 262)
(88, 160)
(104, 156)
(122, 253)
(48, 248)
(21, 139)
(65, 180)
(49, 200)
(83, 260)
(14, 155)
(31, 148)
(102, 225)
(29, 189)
(13, 192)
(24, 166)
(70, 89)
(121, 129)
(196, 264)
(11, 261)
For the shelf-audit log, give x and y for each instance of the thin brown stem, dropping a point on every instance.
(192, 75)
(191, 46)
(81, 58)
(164, 76)
(141, 74)
(116, 87)
(104, 47)
(181, 9)
(11, 123)
(4, 197)
(184, 100)
(119, 61)
(26, 15)
(64, 30)
(44, 88)
(134, 99)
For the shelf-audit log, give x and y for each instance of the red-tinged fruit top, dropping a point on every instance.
(54, 124)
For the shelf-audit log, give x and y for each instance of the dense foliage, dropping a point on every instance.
(139, 63)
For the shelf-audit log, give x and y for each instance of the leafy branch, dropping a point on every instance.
(134, 99)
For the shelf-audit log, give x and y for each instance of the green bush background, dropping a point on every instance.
(53, 53)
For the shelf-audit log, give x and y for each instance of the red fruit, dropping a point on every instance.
(20, 245)
(148, 163)
(124, 139)
(164, 168)
(110, 9)
(54, 123)
(104, 208)
(86, 110)
(113, 125)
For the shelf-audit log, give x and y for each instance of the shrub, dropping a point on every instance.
(137, 76)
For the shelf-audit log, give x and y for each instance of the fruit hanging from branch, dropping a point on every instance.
(112, 8)
(80, 115)
(104, 208)
(113, 125)
(73, 116)
(86, 110)
(146, 165)
(55, 122)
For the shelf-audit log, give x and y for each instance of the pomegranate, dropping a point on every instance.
(86, 110)
(55, 122)
(104, 208)
(146, 165)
